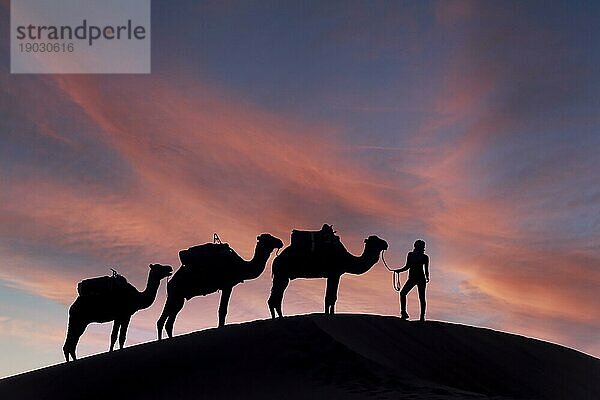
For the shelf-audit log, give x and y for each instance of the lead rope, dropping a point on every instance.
(396, 278)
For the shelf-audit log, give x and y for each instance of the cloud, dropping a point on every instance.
(504, 172)
(496, 177)
(195, 163)
(30, 332)
(211, 144)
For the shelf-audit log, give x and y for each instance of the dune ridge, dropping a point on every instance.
(343, 356)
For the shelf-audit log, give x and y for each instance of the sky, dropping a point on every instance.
(472, 125)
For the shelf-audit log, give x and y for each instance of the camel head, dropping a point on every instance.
(159, 271)
(264, 247)
(375, 243)
(268, 241)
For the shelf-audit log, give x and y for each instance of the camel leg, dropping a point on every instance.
(167, 313)
(114, 333)
(68, 340)
(225, 295)
(280, 283)
(176, 306)
(163, 317)
(271, 305)
(331, 294)
(74, 332)
(76, 338)
(286, 282)
(123, 332)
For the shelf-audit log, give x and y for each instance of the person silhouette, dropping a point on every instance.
(417, 264)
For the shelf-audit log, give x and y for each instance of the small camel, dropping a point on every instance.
(330, 264)
(219, 270)
(117, 305)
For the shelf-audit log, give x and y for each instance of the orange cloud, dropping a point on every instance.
(203, 162)
(199, 164)
(183, 138)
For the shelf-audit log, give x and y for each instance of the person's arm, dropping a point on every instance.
(406, 266)
(426, 268)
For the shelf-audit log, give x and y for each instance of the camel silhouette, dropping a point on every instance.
(117, 305)
(330, 263)
(212, 270)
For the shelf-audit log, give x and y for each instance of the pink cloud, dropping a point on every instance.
(202, 162)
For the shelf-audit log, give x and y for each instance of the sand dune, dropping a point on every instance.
(318, 356)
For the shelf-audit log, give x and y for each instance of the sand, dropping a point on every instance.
(323, 357)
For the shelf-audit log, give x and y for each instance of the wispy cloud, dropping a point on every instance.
(496, 174)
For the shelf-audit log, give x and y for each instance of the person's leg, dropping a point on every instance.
(421, 287)
(405, 289)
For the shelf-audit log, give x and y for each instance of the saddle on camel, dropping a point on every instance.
(102, 285)
(315, 241)
(198, 255)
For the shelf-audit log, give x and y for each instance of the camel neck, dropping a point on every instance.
(258, 262)
(364, 262)
(149, 294)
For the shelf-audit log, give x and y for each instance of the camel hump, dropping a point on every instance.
(103, 285)
(198, 255)
(314, 241)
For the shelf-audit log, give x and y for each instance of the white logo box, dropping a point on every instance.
(80, 36)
